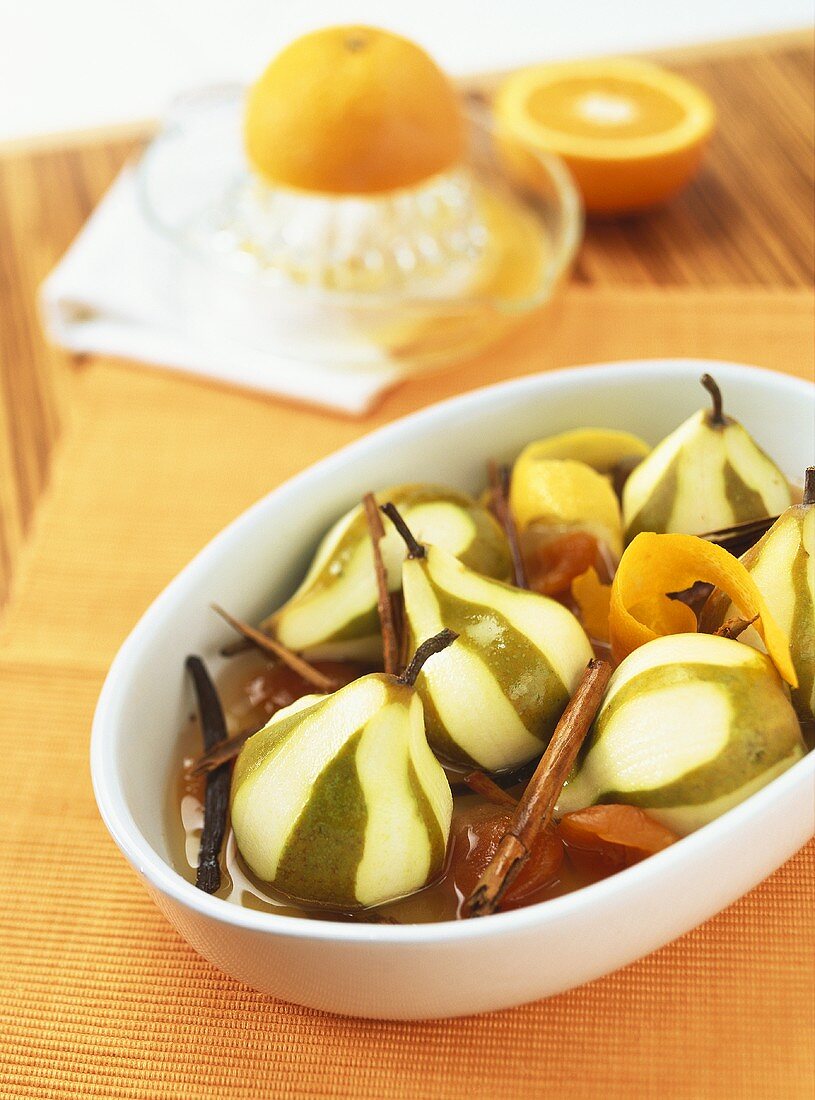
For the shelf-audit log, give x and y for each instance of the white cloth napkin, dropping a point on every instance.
(108, 296)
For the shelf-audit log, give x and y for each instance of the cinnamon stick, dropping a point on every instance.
(390, 639)
(740, 536)
(732, 628)
(222, 753)
(274, 648)
(809, 486)
(216, 798)
(499, 484)
(402, 628)
(482, 784)
(534, 811)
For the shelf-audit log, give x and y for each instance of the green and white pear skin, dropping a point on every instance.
(494, 698)
(339, 801)
(333, 614)
(690, 726)
(709, 473)
(782, 564)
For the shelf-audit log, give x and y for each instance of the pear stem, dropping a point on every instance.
(710, 384)
(809, 486)
(535, 810)
(499, 484)
(275, 649)
(216, 798)
(390, 641)
(426, 650)
(415, 548)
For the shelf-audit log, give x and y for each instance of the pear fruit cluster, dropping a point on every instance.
(333, 614)
(343, 800)
(707, 474)
(339, 801)
(691, 725)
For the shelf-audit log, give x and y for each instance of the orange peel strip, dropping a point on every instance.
(593, 598)
(653, 565)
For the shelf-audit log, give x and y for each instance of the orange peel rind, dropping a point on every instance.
(593, 598)
(654, 565)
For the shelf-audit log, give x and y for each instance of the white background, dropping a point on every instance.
(76, 64)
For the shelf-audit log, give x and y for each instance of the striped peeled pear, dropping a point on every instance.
(494, 698)
(339, 801)
(782, 564)
(333, 613)
(709, 473)
(690, 726)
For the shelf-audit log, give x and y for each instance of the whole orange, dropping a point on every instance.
(353, 110)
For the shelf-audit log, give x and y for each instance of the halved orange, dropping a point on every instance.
(631, 132)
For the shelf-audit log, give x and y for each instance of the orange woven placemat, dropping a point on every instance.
(99, 997)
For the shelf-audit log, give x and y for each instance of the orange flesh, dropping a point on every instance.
(613, 107)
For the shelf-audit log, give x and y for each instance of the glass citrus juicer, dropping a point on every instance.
(349, 211)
